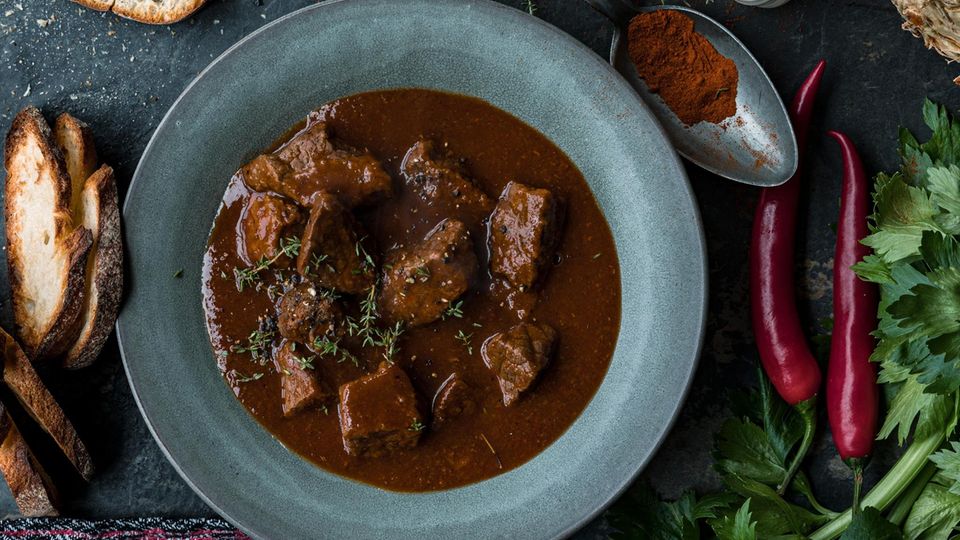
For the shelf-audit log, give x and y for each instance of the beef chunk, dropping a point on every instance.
(265, 220)
(378, 413)
(441, 181)
(266, 173)
(332, 252)
(420, 282)
(451, 400)
(299, 386)
(306, 313)
(517, 357)
(312, 161)
(524, 232)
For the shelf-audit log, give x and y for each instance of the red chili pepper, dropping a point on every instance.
(852, 394)
(784, 352)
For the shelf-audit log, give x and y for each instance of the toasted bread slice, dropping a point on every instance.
(147, 11)
(100, 213)
(75, 141)
(46, 255)
(23, 381)
(99, 5)
(32, 489)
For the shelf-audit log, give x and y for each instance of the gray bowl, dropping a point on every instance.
(271, 79)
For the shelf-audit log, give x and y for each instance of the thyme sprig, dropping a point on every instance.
(304, 362)
(387, 339)
(366, 261)
(257, 343)
(454, 310)
(466, 339)
(327, 346)
(248, 277)
(241, 378)
(364, 328)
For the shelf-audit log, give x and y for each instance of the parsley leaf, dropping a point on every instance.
(639, 514)
(903, 212)
(948, 461)
(739, 528)
(936, 512)
(871, 525)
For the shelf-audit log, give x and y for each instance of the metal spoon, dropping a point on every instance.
(756, 146)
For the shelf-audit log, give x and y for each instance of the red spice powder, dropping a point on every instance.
(696, 82)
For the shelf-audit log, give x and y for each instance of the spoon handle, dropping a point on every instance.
(618, 11)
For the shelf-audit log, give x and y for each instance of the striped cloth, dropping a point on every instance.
(139, 528)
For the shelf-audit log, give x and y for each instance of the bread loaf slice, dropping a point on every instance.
(100, 213)
(32, 489)
(147, 11)
(46, 254)
(75, 140)
(23, 381)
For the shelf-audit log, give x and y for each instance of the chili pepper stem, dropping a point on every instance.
(802, 485)
(808, 413)
(856, 464)
(891, 485)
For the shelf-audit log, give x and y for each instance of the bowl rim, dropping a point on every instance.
(685, 188)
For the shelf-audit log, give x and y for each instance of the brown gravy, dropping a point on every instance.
(580, 298)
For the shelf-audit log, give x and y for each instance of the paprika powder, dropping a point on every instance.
(698, 83)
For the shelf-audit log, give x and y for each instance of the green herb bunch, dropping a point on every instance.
(915, 236)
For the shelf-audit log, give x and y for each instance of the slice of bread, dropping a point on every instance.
(75, 140)
(32, 489)
(147, 11)
(100, 213)
(46, 255)
(23, 381)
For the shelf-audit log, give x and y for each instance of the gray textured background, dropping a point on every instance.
(121, 77)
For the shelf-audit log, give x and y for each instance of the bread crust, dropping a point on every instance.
(75, 141)
(28, 388)
(30, 485)
(52, 336)
(104, 271)
(147, 11)
(99, 5)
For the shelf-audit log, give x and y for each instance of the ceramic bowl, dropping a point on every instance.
(265, 83)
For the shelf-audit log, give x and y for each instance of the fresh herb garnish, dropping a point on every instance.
(241, 378)
(492, 451)
(388, 340)
(368, 317)
(366, 261)
(316, 260)
(531, 6)
(327, 346)
(416, 425)
(453, 310)
(248, 277)
(257, 343)
(304, 362)
(465, 339)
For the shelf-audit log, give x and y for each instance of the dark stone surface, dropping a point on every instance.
(121, 77)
